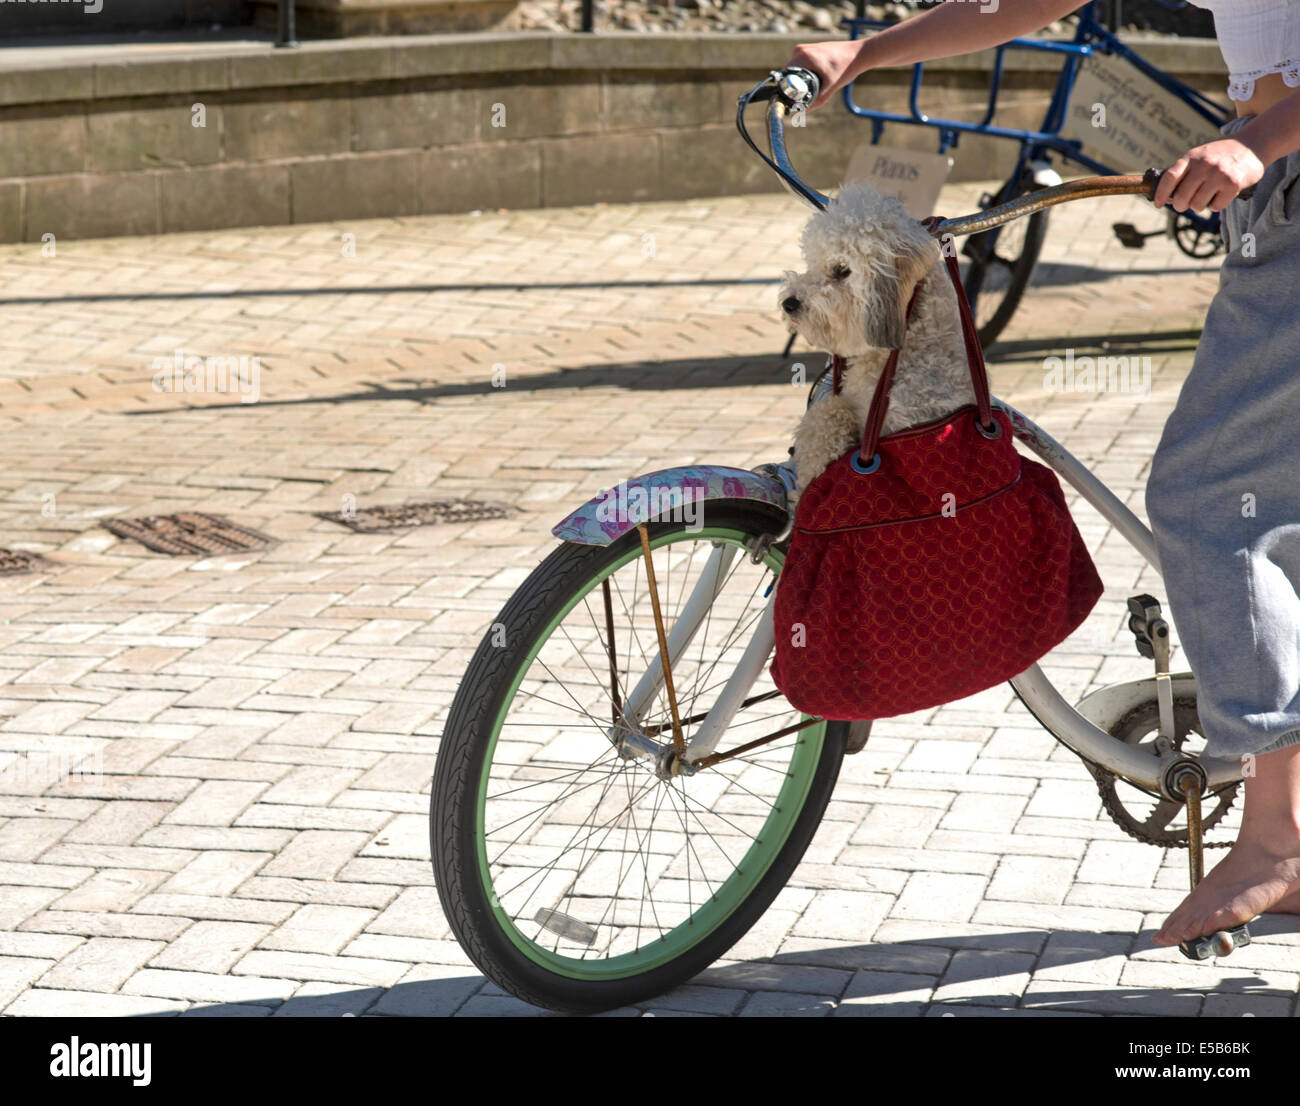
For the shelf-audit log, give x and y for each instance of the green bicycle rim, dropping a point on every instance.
(739, 885)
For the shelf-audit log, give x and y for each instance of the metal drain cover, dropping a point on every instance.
(189, 532)
(368, 519)
(16, 562)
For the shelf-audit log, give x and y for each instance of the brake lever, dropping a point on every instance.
(764, 90)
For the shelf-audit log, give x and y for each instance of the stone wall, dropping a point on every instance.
(249, 135)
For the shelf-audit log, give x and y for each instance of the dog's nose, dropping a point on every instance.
(790, 305)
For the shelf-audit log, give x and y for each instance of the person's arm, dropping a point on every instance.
(942, 32)
(1276, 132)
(1211, 175)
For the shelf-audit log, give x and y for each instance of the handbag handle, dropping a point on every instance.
(974, 361)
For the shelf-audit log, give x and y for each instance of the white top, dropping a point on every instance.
(1257, 37)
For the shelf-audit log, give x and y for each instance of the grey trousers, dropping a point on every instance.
(1223, 495)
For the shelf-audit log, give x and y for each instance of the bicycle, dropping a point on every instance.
(621, 792)
(1000, 264)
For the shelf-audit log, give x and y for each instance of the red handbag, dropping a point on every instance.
(926, 565)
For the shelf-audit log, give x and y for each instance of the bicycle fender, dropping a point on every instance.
(676, 493)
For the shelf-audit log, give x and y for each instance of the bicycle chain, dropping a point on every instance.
(1119, 814)
(1134, 723)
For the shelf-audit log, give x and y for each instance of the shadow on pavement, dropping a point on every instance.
(651, 376)
(1146, 343)
(388, 290)
(1048, 274)
(978, 972)
(693, 372)
(1060, 274)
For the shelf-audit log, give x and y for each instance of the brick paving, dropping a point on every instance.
(264, 725)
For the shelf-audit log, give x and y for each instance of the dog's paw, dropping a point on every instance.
(828, 430)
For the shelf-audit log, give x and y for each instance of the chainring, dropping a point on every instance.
(1153, 827)
(1193, 241)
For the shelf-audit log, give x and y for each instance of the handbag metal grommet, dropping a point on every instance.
(855, 463)
(992, 434)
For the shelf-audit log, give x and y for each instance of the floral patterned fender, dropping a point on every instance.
(676, 492)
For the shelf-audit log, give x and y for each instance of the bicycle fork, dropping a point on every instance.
(629, 733)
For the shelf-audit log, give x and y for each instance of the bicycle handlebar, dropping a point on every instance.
(794, 88)
(1127, 184)
(784, 89)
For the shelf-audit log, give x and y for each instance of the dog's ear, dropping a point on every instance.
(885, 315)
(883, 318)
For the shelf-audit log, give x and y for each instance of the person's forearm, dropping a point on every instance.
(1275, 132)
(958, 27)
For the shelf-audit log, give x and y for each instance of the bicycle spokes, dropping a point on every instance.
(598, 841)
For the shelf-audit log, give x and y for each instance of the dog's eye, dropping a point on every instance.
(840, 272)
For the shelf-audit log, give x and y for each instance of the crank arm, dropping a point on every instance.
(1191, 781)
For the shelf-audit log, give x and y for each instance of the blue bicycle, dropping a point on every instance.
(1000, 263)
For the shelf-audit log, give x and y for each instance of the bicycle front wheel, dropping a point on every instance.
(581, 875)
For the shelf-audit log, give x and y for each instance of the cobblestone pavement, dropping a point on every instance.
(267, 722)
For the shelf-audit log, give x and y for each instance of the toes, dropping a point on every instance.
(1226, 918)
(1174, 929)
(1182, 925)
(1168, 934)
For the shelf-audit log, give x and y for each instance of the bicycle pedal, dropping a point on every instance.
(1216, 944)
(1130, 237)
(1143, 611)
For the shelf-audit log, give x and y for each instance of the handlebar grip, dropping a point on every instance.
(1154, 175)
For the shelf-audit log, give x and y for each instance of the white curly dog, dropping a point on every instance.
(864, 256)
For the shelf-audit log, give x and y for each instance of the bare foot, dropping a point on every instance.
(1250, 880)
(1261, 872)
(1288, 904)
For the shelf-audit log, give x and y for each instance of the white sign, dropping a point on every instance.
(915, 178)
(1129, 122)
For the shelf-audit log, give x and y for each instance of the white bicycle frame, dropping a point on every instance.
(1082, 731)
(1083, 727)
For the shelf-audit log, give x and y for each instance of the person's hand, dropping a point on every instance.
(830, 61)
(1209, 176)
